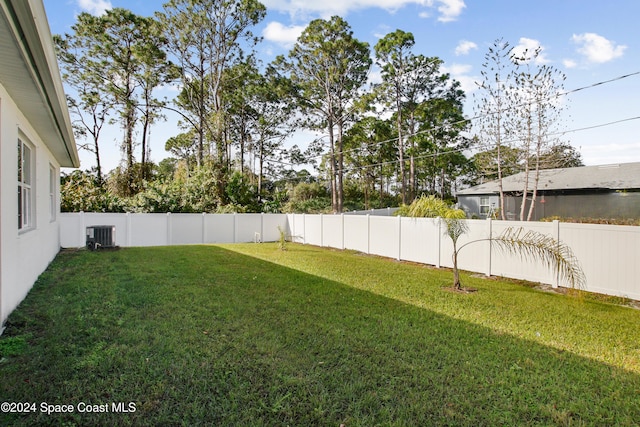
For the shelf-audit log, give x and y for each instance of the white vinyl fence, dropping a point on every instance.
(608, 254)
(161, 229)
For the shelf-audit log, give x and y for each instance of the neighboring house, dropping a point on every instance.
(608, 191)
(36, 139)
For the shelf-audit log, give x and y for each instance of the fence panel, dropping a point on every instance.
(420, 240)
(608, 255)
(72, 235)
(356, 232)
(149, 229)
(248, 227)
(219, 228)
(513, 265)
(295, 227)
(85, 219)
(186, 229)
(312, 233)
(332, 231)
(270, 224)
(476, 255)
(384, 238)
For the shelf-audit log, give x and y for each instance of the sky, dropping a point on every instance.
(595, 43)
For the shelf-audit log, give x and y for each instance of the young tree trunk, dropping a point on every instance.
(403, 173)
(333, 172)
(340, 185)
(500, 188)
(456, 273)
(536, 181)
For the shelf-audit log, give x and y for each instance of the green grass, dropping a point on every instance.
(252, 335)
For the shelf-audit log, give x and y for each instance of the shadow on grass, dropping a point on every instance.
(201, 335)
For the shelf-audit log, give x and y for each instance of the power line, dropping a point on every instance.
(478, 117)
(431, 155)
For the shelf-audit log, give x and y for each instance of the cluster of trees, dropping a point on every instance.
(382, 144)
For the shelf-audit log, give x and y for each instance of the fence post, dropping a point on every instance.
(321, 230)
(128, 238)
(204, 231)
(438, 226)
(83, 230)
(555, 224)
(399, 237)
(342, 225)
(235, 227)
(368, 234)
(169, 237)
(490, 236)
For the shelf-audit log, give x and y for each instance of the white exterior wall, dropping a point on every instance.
(23, 254)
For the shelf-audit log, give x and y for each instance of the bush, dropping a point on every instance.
(80, 191)
(430, 207)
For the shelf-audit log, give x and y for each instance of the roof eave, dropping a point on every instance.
(33, 38)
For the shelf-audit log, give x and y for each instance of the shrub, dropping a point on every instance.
(430, 207)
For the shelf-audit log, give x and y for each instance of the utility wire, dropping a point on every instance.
(478, 117)
(430, 155)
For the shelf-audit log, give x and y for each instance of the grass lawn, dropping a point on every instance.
(248, 335)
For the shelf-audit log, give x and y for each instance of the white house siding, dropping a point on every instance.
(23, 254)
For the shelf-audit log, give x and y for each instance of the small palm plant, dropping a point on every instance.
(528, 244)
(282, 241)
(455, 227)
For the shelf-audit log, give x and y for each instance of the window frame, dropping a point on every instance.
(26, 184)
(53, 193)
(486, 206)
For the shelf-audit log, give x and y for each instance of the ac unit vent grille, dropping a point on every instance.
(101, 236)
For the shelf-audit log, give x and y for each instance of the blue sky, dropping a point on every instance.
(591, 41)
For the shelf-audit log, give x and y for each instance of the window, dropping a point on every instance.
(25, 179)
(484, 205)
(53, 208)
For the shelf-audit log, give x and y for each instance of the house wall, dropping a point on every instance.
(619, 205)
(23, 254)
(602, 205)
(471, 205)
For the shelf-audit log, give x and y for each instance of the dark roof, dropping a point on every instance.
(623, 176)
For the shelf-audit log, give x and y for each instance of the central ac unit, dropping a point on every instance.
(101, 236)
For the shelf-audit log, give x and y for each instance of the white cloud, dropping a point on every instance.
(569, 63)
(596, 48)
(461, 72)
(95, 7)
(449, 9)
(381, 31)
(464, 47)
(526, 49)
(278, 33)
